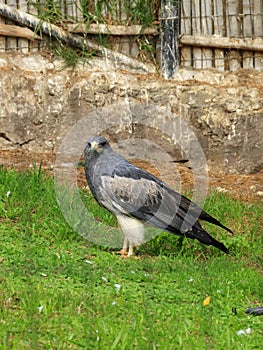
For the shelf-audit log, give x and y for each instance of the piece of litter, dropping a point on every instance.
(98, 338)
(40, 308)
(244, 331)
(8, 194)
(43, 274)
(256, 311)
(89, 262)
(118, 287)
(234, 310)
(114, 303)
(206, 301)
(190, 280)
(248, 330)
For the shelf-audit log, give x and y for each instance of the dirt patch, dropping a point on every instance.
(246, 187)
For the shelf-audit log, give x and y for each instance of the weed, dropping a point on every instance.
(141, 12)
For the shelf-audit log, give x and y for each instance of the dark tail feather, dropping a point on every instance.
(206, 217)
(203, 237)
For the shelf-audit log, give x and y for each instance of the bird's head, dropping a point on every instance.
(95, 146)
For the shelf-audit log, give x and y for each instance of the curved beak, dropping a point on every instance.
(94, 146)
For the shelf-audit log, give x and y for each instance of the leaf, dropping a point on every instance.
(206, 301)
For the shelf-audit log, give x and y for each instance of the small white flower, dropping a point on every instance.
(190, 280)
(8, 193)
(114, 303)
(104, 279)
(132, 271)
(218, 291)
(40, 308)
(244, 331)
(118, 287)
(43, 274)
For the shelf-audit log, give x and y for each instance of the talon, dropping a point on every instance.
(122, 252)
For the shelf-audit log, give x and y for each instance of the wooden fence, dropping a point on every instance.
(221, 34)
(229, 22)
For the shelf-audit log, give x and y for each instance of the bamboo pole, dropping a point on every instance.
(72, 10)
(219, 29)
(206, 27)
(2, 38)
(17, 32)
(233, 30)
(247, 33)
(186, 28)
(110, 29)
(258, 31)
(11, 42)
(123, 44)
(34, 45)
(196, 30)
(78, 11)
(23, 43)
(222, 42)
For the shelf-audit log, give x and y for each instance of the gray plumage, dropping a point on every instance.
(137, 197)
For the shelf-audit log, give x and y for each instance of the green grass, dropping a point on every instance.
(140, 12)
(58, 291)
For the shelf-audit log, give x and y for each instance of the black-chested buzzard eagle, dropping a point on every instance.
(137, 197)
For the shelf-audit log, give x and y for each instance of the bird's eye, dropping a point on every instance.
(89, 144)
(104, 143)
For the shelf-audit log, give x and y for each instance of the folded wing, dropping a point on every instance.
(134, 192)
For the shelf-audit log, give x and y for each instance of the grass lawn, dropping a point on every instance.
(59, 291)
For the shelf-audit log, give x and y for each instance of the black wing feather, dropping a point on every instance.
(178, 215)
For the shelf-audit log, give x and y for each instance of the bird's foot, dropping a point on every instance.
(123, 253)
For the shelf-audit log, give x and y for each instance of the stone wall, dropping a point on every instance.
(39, 103)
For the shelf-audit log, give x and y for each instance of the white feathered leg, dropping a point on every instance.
(133, 232)
(124, 250)
(130, 252)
